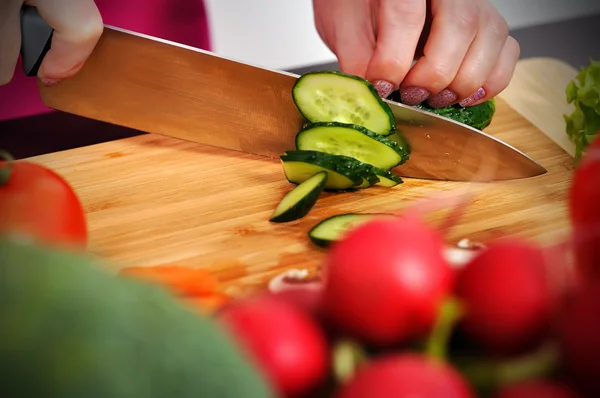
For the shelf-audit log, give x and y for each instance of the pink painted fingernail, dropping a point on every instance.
(470, 100)
(414, 95)
(49, 82)
(446, 97)
(383, 87)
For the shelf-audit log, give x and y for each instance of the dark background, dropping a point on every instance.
(573, 41)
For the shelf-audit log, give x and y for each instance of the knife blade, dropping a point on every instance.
(157, 86)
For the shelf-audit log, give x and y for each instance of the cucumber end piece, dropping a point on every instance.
(300, 200)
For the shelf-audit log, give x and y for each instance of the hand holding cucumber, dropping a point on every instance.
(463, 50)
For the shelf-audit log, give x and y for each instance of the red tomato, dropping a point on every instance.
(38, 203)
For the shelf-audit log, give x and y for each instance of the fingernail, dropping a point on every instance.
(479, 94)
(383, 87)
(446, 97)
(414, 95)
(49, 82)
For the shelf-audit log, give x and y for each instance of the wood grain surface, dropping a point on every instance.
(152, 200)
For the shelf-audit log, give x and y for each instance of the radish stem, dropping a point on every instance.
(347, 357)
(490, 375)
(437, 343)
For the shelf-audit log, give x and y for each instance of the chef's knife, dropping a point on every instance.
(161, 87)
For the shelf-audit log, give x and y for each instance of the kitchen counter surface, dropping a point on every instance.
(573, 41)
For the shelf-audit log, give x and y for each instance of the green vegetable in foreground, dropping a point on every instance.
(72, 331)
(583, 92)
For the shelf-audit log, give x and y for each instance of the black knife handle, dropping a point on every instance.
(36, 37)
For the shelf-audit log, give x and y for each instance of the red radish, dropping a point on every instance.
(386, 279)
(537, 389)
(580, 338)
(406, 376)
(308, 300)
(286, 343)
(584, 207)
(508, 296)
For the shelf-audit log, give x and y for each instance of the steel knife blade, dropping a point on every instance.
(156, 86)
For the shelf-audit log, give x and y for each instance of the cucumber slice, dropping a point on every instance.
(342, 172)
(387, 178)
(331, 96)
(353, 141)
(298, 202)
(333, 228)
(368, 179)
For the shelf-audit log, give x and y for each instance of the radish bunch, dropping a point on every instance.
(394, 318)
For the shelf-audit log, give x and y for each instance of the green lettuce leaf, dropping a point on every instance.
(583, 124)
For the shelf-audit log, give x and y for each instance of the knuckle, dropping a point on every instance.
(440, 76)
(88, 29)
(464, 86)
(497, 82)
(391, 68)
(468, 21)
(497, 26)
(410, 13)
(93, 28)
(513, 46)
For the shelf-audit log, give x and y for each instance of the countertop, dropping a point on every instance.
(573, 41)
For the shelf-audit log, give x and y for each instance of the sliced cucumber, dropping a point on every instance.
(401, 141)
(351, 140)
(387, 178)
(298, 202)
(331, 96)
(342, 172)
(369, 178)
(333, 228)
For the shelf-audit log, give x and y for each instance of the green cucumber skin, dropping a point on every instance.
(478, 116)
(346, 166)
(383, 104)
(369, 179)
(401, 141)
(325, 243)
(387, 175)
(304, 205)
(401, 150)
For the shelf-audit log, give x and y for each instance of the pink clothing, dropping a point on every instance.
(181, 21)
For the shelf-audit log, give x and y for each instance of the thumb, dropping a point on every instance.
(77, 28)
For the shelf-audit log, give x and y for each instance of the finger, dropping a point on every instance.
(454, 27)
(480, 59)
(400, 25)
(354, 38)
(10, 39)
(77, 27)
(503, 71)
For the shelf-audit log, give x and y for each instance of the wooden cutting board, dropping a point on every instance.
(152, 200)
